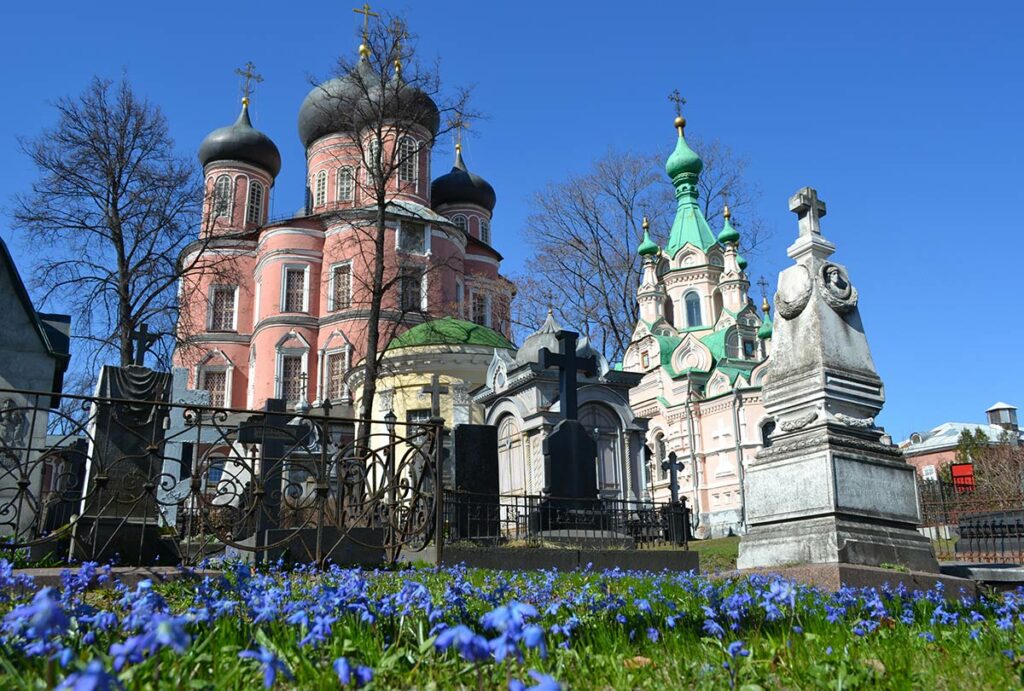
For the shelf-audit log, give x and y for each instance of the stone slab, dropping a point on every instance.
(832, 577)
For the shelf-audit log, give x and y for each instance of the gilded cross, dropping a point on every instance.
(365, 11)
(248, 74)
(678, 99)
(458, 124)
(809, 210)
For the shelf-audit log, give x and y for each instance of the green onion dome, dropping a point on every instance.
(766, 324)
(647, 246)
(728, 233)
(683, 160)
(741, 262)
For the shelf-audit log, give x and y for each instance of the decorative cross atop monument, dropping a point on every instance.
(809, 209)
(568, 364)
(674, 466)
(435, 390)
(364, 50)
(249, 76)
(143, 340)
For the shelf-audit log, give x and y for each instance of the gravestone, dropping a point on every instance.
(476, 508)
(830, 489)
(119, 512)
(181, 438)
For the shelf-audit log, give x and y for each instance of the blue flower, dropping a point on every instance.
(471, 646)
(357, 676)
(713, 628)
(270, 663)
(928, 636)
(736, 649)
(38, 622)
(92, 678)
(544, 683)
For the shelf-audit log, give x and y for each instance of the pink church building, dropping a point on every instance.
(278, 308)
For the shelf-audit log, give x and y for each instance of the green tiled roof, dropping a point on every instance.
(716, 343)
(450, 331)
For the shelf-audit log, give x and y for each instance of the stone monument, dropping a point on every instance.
(831, 488)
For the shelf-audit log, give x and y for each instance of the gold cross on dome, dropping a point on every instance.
(365, 11)
(678, 99)
(248, 74)
(458, 124)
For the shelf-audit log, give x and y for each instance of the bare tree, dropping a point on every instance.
(585, 230)
(111, 210)
(386, 96)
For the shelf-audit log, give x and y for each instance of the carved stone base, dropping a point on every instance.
(835, 540)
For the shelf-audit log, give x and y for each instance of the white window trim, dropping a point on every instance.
(428, 231)
(248, 201)
(484, 223)
(227, 369)
(295, 351)
(488, 307)
(337, 183)
(231, 197)
(322, 175)
(424, 284)
(465, 221)
(256, 304)
(284, 287)
(345, 350)
(209, 306)
(417, 149)
(686, 308)
(250, 389)
(330, 284)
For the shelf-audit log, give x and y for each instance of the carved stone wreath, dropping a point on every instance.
(798, 423)
(835, 288)
(794, 293)
(850, 421)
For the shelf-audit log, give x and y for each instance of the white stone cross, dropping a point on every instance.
(809, 209)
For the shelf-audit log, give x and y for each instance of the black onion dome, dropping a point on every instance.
(340, 104)
(462, 186)
(241, 142)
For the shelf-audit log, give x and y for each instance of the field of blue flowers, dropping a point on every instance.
(459, 628)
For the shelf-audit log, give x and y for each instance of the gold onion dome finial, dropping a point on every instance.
(726, 213)
(680, 124)
(364, 47)
(765, 307)
(647, 248)
(645, 225)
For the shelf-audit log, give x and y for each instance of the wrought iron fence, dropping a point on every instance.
(148, 482)
(497, 519)
(977, 522)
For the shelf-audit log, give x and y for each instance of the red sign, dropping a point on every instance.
(963, 476)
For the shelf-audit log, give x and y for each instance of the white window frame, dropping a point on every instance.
(320, 190)
(686, 308)
(256, 217)
(341, 174)
(423, 287)
(427, 232)
(229, 207)
(485, 231)
(464, 225)
(210, 302)
(346, 354)
(282, 352)
(413, 160)
(285, 268)
(331, 307)
(488, 307)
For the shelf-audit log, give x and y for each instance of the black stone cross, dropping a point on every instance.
(568, 364)
(673, 467)
(436, 390)
(143, 339)
(809, 210)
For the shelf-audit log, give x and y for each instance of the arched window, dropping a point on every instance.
(485, 231)
(732, 344)
(460, 222)
(371, 164)
(222, 197)
(254, 211)
(511, 457)
(408, 159)
(670, 311)
(692, 302)
(346, 184)
(716, 305)
(602, 424)
(320, 194)
(767, 429)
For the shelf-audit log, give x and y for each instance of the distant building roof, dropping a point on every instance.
(946, 437)
(999, 405)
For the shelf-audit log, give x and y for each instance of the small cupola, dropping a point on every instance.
(241, 142)
(460, 186)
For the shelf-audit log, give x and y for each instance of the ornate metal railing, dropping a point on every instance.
(980, 523)
(500, 519)
(150, 482)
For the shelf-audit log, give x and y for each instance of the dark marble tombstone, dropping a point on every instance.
(120, 515)
(475, 504)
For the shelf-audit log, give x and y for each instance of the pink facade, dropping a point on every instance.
(279, 309)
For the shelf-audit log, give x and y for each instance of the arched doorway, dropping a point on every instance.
(607, 431)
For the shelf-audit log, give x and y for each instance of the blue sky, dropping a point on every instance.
(906, 116)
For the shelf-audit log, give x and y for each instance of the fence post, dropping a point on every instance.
(438, 432)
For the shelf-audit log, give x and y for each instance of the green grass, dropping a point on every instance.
(718, 554)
